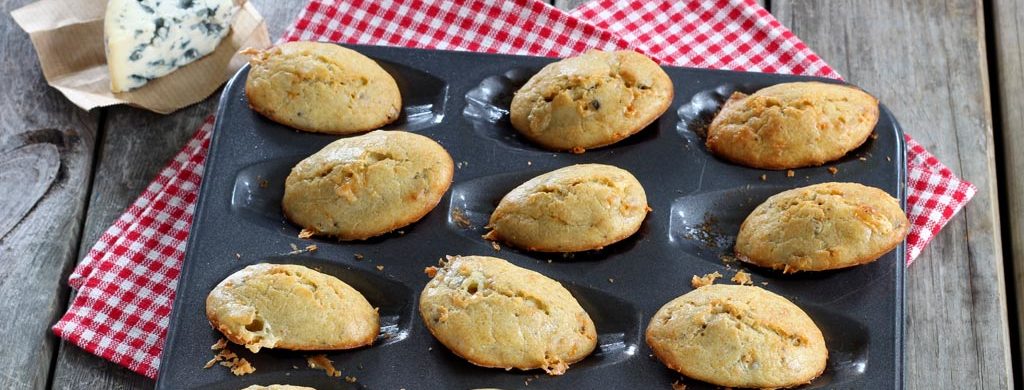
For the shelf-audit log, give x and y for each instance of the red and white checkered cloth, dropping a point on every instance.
(127, 281)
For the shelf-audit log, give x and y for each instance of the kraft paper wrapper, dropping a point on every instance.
(68, 37)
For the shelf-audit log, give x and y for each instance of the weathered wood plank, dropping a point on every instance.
(136, 145)
(926, 61)
(38, 251)
(31, 169)
(1008, 16)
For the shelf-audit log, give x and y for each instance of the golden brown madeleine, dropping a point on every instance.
(792, 125)
(576, 208)
(290, 307)
(321, 87)
(738, 336)
(359, 187)
(821, 227)
(495, 314)
(592, 100)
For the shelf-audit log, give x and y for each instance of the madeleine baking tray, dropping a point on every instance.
(461, 100)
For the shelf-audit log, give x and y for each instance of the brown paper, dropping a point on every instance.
(68, 37)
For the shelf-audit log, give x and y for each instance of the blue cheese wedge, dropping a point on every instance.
(147, 39)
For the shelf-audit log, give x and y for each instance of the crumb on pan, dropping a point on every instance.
(430, 271)
(790, 173)
(311, 248)
(241, 367)
(321, 362)
(727, 259)
(833, 170)
(460, 219)
(380, 268)
(305, 233)
(611, 280)
(494, 244)
(862, 158)
(742, 278)
(238, 256)
(764, 177)
(350, 379)
(706, 280)
(358, 256)
(220, 344)
(678, 385)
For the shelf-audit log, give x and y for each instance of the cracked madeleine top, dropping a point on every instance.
(792, 125)
(290, 307)
(359, 187)
(321, 87)
(821, 227)
(591, 100)
(576, 208)
(496, 314)
(738, 336)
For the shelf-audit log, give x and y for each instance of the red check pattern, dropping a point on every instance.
(126, 283)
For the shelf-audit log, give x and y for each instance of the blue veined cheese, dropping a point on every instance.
(147, 39)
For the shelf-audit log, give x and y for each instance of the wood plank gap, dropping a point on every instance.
(65, 293)
(1001, 136)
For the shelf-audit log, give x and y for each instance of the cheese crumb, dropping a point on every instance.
(321, 362)
(742, 278)
(460, 219)
(242, 367)
(219, 345)
(706, 280)
(430, 271)
(305, 233)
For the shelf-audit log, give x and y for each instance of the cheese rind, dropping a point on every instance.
(147, 39)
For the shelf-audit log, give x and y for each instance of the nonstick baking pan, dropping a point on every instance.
(461, 100)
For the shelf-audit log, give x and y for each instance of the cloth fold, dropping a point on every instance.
(126, 283)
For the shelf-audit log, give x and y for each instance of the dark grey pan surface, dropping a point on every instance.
(459, 99)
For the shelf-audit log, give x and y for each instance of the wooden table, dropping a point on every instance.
(931, 62)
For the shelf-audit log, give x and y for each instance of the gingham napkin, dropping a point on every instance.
(127, 281)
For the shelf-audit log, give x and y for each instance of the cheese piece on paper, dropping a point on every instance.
(146, 39)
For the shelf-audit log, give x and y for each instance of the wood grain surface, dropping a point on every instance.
(1008, 17)
(36, 253)
(926, 61)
